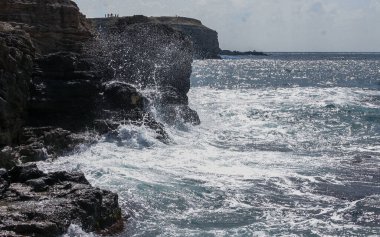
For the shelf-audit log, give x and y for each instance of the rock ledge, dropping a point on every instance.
(34, 203)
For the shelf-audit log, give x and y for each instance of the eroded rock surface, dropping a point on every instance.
(34, 203)
(16, 55)
(54, 25)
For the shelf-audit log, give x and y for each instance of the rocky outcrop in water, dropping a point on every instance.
(60, 89)
(34, 203)
(66, 88)
(153, 57)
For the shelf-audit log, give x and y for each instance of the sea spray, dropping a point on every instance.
(278, 156)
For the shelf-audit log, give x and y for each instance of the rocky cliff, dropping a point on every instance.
(43, 77)
(64, 83)
(54, 25)
(16, 55)
(153, 57)
(205, 40)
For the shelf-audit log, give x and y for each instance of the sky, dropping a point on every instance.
(267, 25)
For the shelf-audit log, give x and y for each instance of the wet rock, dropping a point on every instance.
(123, 96)
(39, 204)
(180, 114)
(151, 56)
(4, 182)
(43, 143)
(8, 158)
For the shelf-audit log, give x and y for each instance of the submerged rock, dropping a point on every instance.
(39, 204)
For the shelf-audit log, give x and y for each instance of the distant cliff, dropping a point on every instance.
(205, 40)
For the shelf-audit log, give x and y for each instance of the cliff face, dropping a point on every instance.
(36, 88)
(54, 25)
(153, 57)
(75, 81)
(205, 40)
(16, 54)
(31, 30)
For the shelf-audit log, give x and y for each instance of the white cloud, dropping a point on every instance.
(269, 25)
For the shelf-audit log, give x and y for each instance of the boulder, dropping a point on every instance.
(39, 204)
(121, 95)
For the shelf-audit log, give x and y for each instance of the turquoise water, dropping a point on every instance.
(289, 145)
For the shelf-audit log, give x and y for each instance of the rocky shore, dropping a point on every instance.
(64, 82)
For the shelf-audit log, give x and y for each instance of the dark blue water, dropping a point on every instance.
(289, 145)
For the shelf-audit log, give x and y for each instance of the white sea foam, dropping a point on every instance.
(264, 162)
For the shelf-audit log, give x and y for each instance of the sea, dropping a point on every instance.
(289, 145)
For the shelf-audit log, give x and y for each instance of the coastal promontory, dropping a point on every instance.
(66, 82)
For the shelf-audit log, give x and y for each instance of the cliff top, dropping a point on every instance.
(177, 20)
(170, 20)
